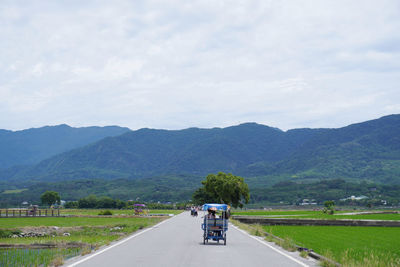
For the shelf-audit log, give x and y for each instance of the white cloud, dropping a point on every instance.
(176, 64)
(37, 69)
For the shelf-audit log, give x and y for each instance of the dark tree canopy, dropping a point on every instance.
(201, 196)
(50, 198)
(223, 188)
(329, 203)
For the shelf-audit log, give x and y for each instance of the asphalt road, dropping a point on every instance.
(179, 242)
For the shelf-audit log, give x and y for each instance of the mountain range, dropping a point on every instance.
(368, 150)
(28, 147)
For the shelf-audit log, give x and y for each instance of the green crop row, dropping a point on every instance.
(318, 215)
(274, 212)
(35, 257)
(351, 246)
(394, 217)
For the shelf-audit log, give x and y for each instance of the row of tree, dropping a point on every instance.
(217, 188)
(232, 190)
(93, 202)
(339, 190)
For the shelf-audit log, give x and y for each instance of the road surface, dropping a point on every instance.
(179, 242)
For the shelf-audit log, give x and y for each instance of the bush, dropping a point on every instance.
(8, 233)
(5, 233)
(329, 210)
(105, 212)
(92, 202)
(71, 205)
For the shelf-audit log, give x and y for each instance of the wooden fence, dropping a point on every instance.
(5, 213)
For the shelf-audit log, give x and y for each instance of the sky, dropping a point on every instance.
(200, 63)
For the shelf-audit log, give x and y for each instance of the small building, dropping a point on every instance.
(354, 198)
(307, 201)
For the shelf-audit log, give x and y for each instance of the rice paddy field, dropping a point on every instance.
(273, 212)
(348, 245)
(35, 257)
(351, 246)
(307, 214)
(88, 232)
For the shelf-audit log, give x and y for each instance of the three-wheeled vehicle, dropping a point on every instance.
(215, 228)
(140, 209)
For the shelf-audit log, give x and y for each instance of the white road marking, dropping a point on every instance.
(118, 243)
(268, 245)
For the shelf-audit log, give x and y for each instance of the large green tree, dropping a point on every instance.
(50, 198)
(201, 196)
(223, 188)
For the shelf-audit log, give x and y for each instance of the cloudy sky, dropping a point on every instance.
(177, 64)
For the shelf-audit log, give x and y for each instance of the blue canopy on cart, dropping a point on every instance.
(215, 206)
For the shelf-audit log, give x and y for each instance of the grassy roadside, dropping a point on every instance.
(88, 232)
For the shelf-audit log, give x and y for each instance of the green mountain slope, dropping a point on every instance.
(34, 145)
(368, 150)
(149, 152)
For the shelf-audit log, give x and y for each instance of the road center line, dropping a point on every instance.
(119, 243)
(268, 245)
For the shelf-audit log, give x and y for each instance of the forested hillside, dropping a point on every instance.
(168, 188)
(279, 166)
(369, 150)
(34, 145)
(193, 151)
(181, 188)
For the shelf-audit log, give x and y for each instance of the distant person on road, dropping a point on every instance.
(226, 214)
(195, 212)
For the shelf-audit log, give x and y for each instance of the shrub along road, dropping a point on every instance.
(179, 242)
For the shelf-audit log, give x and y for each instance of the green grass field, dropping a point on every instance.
(71, 221)
(348, 245)
(394, 217)
(274, 212)
(95, 212)
(14, 191)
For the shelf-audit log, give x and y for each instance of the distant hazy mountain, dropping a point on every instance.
(365, 150)
(34, 145)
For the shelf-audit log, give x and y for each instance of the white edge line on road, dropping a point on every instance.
(268, 245)
(118, 243)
